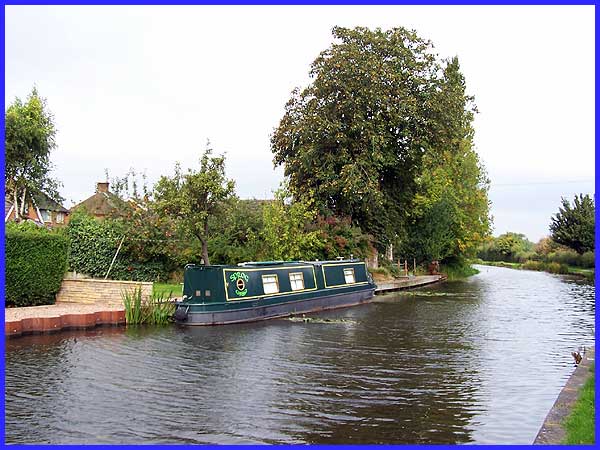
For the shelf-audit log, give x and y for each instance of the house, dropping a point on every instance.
(103, 203)
(40, 209)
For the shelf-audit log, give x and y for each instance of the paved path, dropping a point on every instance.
(552, 431)
(407, 282)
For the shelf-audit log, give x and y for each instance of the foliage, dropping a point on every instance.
(449, 215)
(458, 269)
(574, 226)
(156, 311)
(341, 239)
(29, 139)
(284, 234)
(353, 141)
(551, 267)
(508, 247)
(239, 225)
(579, 425)
(192, 198)
(94, 244)
(36, 261)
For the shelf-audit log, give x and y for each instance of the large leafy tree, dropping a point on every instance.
(574, 225)
(369, 138)
(354, 138)
(449, 214)
(29, 140)
(191, 198)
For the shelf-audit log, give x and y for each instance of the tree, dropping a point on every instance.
(574, 226)
(29, 140)
(192, 198)
(285, 234)
(449, 214)
(354, 138)
(240, 227)
(367, 138)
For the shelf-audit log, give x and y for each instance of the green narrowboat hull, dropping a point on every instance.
(218, 295)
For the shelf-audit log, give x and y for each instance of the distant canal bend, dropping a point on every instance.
(479, 361)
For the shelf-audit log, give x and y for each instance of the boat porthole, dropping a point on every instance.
(240, 284)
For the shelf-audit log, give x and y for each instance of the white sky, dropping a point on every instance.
(145, 86)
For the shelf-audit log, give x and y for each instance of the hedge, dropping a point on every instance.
(94, 244)
(36, 261)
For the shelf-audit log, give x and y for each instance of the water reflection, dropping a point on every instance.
(476, 361)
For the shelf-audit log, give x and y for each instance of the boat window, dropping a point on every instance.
(297, 281)
(349, 275)
(270, 284)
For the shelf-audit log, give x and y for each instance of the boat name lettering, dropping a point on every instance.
(240, 280)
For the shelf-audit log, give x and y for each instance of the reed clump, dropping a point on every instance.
(158, 310)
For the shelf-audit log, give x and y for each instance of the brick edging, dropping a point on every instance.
(34, 325)
(552, 431)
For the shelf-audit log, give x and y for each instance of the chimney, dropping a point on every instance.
(102, 187)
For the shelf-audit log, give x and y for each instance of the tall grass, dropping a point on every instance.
(157, 310)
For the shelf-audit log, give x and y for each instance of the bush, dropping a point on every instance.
(552, 267)
(588, 260)
(36, 261)
(571, 258)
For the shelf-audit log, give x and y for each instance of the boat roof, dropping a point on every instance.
(278, 263)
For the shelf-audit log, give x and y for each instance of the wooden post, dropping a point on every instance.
(414, 266)
(405, 268)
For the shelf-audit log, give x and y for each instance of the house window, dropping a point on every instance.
(60, 217)
(270, 284)
(297, 281)
(349, 276)
(45, 215)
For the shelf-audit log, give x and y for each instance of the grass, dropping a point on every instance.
(459, 271)
(155, 311)
(170, 290)
(580, 423)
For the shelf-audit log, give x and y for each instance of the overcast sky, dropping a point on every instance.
(145, 86)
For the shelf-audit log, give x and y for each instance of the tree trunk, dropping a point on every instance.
(23, 200)
(205, 252)
(16, 205)
(204, 241)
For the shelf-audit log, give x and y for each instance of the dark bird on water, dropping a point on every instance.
(577, 357)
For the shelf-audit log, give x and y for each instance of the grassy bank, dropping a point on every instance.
(543, 267)
(164, 289)
(459, 272)
(580, 423)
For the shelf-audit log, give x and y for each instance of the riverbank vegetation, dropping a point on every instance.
(157, 310)
(568, 250)
(580, 424)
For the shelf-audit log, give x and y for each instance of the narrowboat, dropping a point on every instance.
(251, 291)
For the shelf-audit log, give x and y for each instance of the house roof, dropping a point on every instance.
(43, 201)
(102, 204)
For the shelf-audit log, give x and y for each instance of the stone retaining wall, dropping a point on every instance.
(92, 291)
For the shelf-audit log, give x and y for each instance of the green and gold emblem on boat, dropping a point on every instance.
(240, 280)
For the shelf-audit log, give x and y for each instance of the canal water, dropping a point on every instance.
(476, 361)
